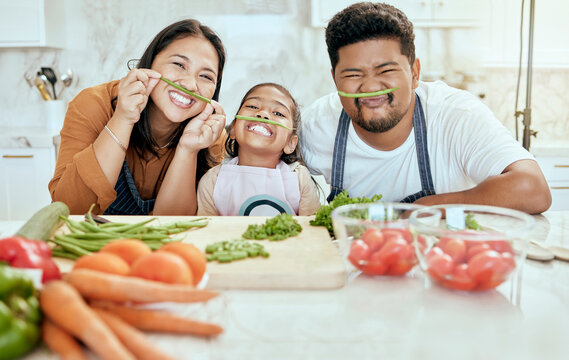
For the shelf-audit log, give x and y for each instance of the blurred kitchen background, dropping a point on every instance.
(470, 44)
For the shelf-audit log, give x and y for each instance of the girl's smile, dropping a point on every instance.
(260, 129)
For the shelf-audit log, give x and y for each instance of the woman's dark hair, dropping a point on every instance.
(231, 145)
(369, 21)
(141, 137)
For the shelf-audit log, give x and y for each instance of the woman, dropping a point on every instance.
(139, 145)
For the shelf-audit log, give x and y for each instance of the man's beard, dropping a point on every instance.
(378, 125)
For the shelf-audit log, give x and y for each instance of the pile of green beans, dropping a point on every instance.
(230, 250)
(87, 236)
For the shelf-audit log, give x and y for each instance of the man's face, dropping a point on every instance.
(373, 65)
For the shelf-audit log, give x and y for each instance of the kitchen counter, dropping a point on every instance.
(389, 318)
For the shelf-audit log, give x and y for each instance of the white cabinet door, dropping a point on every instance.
(24, 176)
(556, 172)
(30, 23)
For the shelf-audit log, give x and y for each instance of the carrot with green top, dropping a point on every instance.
(368, 94)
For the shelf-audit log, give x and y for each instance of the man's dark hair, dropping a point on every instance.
(369, 21)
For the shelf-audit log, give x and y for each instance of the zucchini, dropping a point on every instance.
(44, 222)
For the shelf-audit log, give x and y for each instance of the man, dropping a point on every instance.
(425, 143)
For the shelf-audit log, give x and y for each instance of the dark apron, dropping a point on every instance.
(339, 156)
(128, 200)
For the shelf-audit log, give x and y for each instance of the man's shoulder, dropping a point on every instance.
(438, 94)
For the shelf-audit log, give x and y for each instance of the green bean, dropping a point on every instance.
(111, 225)
(92, 236)
(75, 226)
(90, 217)
(267, 121)
(369, 94)
(85, 245)
(185, 90)
(131, 227)
(72, 248)
(61, 253)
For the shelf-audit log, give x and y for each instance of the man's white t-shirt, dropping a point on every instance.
(466, 143)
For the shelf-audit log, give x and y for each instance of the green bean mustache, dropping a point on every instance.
(183, 89)
(369, 94)
(249, 118)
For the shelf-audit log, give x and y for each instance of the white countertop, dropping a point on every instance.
(26, 137)
(390, 318)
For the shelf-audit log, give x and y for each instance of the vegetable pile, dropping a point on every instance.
(386, 251)
(278, 227)
(470, 265)
(228, 251)
(323, 214)
(87, 236)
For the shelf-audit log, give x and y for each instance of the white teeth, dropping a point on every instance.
(184, 100)
(260, 129)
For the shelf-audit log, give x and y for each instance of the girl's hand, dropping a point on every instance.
(204, 130)
(134, 90)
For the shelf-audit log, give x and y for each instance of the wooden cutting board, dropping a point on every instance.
(307, 261)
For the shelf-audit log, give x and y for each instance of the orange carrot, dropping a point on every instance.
(61, 343)
(63, 305)
(101, 286)
(156, 320)
(132, 338)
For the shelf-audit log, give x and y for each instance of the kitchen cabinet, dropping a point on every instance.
(32, 23)
(24, 176)
(423, 13)
(556, 171)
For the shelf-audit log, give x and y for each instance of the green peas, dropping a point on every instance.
(237, 249)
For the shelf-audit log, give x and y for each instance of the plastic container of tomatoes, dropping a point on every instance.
(375, 237)
(471, 247)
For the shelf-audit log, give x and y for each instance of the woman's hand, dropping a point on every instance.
(204, 130)
(134, 90)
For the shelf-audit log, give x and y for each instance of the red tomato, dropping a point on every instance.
(374, 265)
(359, 251)
(439, 266)
(373, 238)
(434, 251)
(394, 250)
(401, 268)
(476, 248)
(404, 233)
(459, 279)
(509, 262)
(442, 241)
(501, 246)
(485, 267)
(456, 249)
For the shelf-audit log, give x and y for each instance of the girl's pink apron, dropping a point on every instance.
(256, 191)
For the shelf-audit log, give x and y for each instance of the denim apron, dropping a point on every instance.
(339, 156)
(128, 200)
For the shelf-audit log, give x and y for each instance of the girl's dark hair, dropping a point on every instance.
(368, 21)
(141, 136)
(231, 145)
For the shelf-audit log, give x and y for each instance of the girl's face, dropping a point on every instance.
(269, 103)
(191, 62)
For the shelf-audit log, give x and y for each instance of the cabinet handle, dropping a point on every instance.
(561, 166)
(17, 156)
(560, 187)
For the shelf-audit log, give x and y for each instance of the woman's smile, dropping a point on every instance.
(181, 100)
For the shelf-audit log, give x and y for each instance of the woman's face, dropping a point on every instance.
(191, 62)
(266, 102)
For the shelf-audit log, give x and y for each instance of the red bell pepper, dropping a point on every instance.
(20, 252)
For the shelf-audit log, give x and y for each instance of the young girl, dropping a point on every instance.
(264, 178)
(141, 144)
